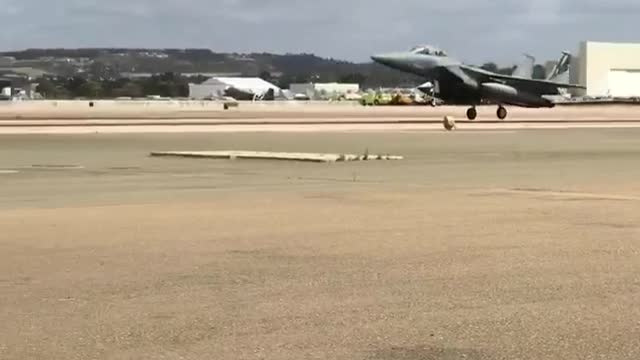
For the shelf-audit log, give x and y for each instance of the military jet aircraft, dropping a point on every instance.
(461, 84)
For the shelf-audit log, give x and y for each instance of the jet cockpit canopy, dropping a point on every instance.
(428, 50)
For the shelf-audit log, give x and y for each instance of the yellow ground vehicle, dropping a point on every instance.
(377, 98)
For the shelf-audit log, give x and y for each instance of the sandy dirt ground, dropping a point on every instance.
(479, 245)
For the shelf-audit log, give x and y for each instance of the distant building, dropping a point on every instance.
(132, 75)
(23, 72)
(211, 75)
(7, 60)
(607, 69)
(324, 90)
(240, 88)
(141, 75)
(5, 89)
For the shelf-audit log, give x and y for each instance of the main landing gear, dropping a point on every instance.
(501, 113)
(472, 113)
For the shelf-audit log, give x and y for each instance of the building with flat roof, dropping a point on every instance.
(324, 90)
(607, 69)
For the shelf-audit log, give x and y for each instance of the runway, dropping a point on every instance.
(505, 243)
(141, 117)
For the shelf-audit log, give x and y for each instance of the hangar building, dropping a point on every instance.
(323, 90)
(237, 87)
(607, 69)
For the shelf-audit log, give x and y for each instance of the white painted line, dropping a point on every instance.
(562, 194)
(56, 167)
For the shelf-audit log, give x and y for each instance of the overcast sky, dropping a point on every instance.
(474, 31)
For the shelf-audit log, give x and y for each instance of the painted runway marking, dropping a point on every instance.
(560, 194)
(56, 167)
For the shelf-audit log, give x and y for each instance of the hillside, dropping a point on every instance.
(282, 69)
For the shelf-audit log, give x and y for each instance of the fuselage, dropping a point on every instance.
(459, 83)
(417, 64)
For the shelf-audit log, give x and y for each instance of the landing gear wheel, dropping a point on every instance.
(472, 113)
(502, 113)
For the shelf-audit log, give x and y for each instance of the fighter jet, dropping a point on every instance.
(462, 84)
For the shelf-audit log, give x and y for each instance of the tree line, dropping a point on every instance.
(165, 85)
(174, 85)
(170, 84)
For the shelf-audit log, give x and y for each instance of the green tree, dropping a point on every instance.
(353, 78)
(75, 85)
(288, 79)
(90, 89)
(101, 70)
(130, 89)
(265, 75)
(167, 77)
(47, 88)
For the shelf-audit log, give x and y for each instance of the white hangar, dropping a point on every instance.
(607, 69)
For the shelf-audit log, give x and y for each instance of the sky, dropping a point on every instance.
(471, 30)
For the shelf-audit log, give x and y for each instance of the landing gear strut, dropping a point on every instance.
(472, 113)
(502, 113)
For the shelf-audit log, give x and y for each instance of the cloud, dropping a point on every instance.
(474, 31)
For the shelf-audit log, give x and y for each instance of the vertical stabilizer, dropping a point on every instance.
(525, 69)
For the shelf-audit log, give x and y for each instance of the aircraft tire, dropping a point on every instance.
(501, 113)
(472, 113)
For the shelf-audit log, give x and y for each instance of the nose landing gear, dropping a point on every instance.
(501, 113)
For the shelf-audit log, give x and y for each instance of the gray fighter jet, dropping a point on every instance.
(461, 84)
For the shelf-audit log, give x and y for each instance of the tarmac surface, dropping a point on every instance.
(76, 117)
(502, 244)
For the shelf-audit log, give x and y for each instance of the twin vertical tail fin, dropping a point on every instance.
(561, 70)
(525, 70)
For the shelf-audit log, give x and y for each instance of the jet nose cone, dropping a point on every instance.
(383, 58)
(400, 61)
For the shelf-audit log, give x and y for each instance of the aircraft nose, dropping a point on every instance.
(386, 59)
(399, 61)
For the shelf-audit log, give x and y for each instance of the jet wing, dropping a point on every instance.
(540, 82)
(457, 72)
(537, 86)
